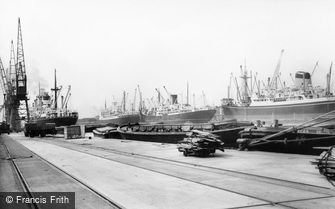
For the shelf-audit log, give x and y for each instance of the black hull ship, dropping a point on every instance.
(121, 119)
(118, 114)
(171, 111)
(47, 110)
(196, 116)
(59, 121)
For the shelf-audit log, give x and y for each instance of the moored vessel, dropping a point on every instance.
(227, 131)
(118, 114)
(171, 111)
(189, 116)
(45, 109)
(290, 105)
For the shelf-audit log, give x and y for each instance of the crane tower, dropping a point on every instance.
(14, 86)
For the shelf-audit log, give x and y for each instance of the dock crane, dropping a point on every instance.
(14, 85)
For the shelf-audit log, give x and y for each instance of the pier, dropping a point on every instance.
(113, 173)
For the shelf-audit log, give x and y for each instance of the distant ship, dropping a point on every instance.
(175, 113)
(45, 109)
(118, 115)
(119, 118)
(290, 105)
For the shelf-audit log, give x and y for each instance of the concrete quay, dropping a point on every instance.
(144, 175)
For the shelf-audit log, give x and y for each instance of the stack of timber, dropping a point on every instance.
(200, 143)
(294, 139)
(326, 163)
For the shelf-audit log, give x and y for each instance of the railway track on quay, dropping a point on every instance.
(202, 174)
(14, 156)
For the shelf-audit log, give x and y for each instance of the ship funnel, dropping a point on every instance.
(302, 80)
(174, 99)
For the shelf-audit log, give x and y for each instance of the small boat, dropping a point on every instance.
(226, 131)
(106, 132)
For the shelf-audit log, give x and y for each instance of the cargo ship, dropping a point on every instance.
(289, 105)
(118, 114)
(45, 109)
(174, 113)
(116, 118)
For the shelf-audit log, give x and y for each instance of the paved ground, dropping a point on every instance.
(39, 176)
(170, 180)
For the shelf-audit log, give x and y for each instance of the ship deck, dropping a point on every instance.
(112, 173)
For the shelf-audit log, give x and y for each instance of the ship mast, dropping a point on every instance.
(124, 102)
(187, 102)
(329, 79)
(55, 89)
(245, 94)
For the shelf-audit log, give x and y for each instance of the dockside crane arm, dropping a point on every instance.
(67, 101)
(315, 66)
(153, 102)
(160, 96)
(229, 87)
(257, 84)
(67, 97)
(291, 78)
(4, 82)
(273, 82)
(238, 90)
(281, 83)
(169, 94)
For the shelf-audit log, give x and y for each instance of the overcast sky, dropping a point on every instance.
(102, 47)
